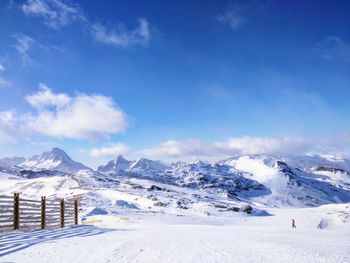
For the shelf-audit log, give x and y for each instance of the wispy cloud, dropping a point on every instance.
(23, 46)
(56, 13)
(8, 126)
(236, 15)
(121, 37)
(258, 145)
(233, 18)
(173, 148)
(4, 83)
(110, 151)
(59, 13)
(333, 48)
(338, 144)
(64, 116)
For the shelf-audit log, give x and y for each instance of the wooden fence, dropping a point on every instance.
(18, 213)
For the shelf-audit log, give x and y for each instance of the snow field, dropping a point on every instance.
(157, 238)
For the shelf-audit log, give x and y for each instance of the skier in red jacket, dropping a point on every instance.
(293, 224)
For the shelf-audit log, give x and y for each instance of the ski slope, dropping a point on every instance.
(166, 238)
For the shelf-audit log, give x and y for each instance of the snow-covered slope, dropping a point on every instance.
(164, 238)
(290, 186)
(216, 178)
(336, 216)
(312, 162)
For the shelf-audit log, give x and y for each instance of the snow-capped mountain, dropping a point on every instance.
(141, 165)
(54, 160)
(146, 165)
(10, 162)
(312, 162)
(259, 178)
(255, 179)
(219, 178)
(293, 185)
(114, 166)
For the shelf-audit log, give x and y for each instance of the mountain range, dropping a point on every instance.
(259, 180)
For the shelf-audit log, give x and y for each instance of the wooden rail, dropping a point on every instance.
(26, 214)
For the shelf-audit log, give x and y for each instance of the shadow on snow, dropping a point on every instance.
(16, 241)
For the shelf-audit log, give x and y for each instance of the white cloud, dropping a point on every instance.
(26, 44)
(173, 148)
(237, 14)
(83, 116)
(121, 37)
(8, 127)
(258, 145)
(110, 151)
(23, 46)
(4, 83)
(338, 144)
(232, 18)
(56, 13)
(45, 97)
(333, 48)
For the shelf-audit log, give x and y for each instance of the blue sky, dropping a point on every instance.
(174, 79)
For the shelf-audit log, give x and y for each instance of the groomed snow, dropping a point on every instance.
(165, 238)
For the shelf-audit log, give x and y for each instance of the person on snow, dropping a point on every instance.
(293, 224)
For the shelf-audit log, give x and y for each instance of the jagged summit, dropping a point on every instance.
(120, 158)
(116, 165)
(120, 165)
(55, 159)
(297, 180)
(147, 164)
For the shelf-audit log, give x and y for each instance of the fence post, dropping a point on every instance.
(62, 212)
(75, 211)
(16, 211)
(43, 212)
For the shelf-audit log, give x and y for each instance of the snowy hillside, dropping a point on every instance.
(292, 185)
(311, 162)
